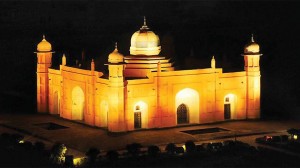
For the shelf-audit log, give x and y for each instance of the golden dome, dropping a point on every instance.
(252, 47)
(44, 45)
(144, 42)
(115, 56)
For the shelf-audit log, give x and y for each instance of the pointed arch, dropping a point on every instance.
(188, 100)
(77, 103)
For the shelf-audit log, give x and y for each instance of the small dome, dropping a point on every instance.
(252, 47)
(44, 45)
(144, 42)
(115, 56)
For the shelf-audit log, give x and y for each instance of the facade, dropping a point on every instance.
(143, 90)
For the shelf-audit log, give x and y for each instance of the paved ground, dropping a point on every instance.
(79, 137)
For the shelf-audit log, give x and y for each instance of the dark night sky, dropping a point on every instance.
(204, 28)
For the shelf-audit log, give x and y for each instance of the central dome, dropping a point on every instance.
(144, 42)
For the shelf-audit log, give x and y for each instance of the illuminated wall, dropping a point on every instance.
(204, 92)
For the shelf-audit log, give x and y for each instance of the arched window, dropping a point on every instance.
(227, 100)
(137, 108)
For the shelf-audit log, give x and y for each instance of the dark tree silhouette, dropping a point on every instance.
(16, 138)
(134, 149)
(92, 154)
(5, 135)
(5, 139)
(293, 131)
(190, 146)
(58, 152)
(153, 150)
(112, 155)
(170, 148)
(39, 146)
(27, 145)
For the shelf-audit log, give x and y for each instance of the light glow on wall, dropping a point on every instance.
(256, 83)
(231, 99)
(190, 98)
(143, 108)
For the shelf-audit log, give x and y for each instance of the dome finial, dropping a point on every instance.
(145, 23)
(252, 38)
(144, 27)
(116, 46)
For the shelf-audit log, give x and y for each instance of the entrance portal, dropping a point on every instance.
(227, 112)
(137, 120)
(182, 114)
(229, 107)
(140, 115)
(187, 106)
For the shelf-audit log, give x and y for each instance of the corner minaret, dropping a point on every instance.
(44, 58)
(116, 114)
(116, 67)
(252, 68)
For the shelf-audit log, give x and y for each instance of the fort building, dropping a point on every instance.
(143, 90)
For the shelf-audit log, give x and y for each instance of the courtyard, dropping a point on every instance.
(79, 137)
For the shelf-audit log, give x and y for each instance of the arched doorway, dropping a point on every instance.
(187, 106)
(182, 114)
(137, 117)
(77, 103)
(56, 103)
(140, 115)
(229, 107)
